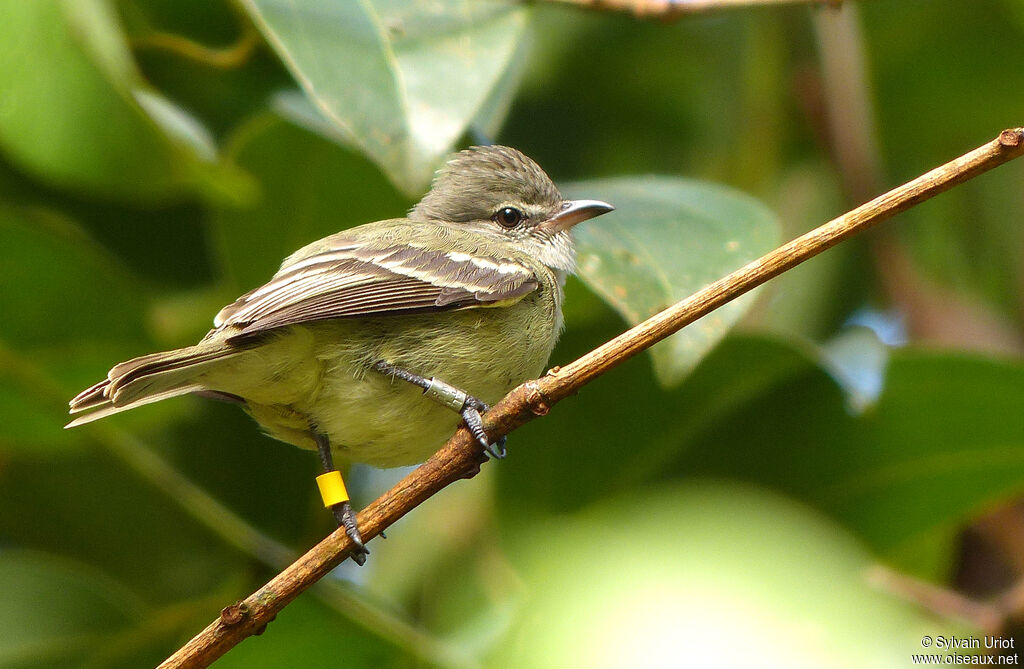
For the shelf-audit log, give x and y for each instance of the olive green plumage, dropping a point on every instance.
(467, 289)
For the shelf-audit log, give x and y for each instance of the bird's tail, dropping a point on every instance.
(147, 379)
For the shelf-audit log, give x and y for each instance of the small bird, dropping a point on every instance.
(372, 343)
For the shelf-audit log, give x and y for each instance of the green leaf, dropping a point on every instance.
(310, 188)
(90, 507)
(402, 80)
(641, 430)
(671, 575)
(815, 298)
(57, 612)
(63, 118)
(178, 123)
(61, 286)
(667, 239)
(71, 115)
(969, 240)
(35, 387)
(74, 312)
(944, 440)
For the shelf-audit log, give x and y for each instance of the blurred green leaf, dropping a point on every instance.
(178, 123)
(56, 613)
(93, 509)
(78, 312)
(584, 110)
(95, 27)
(667, 239)
(173, 42)
(944, 440)
(214, 24)
(624, 430)
(813, 299)
(491, 115)
(29, 422)
(401, 79)
(310, 188)
(970, 239)
(279, 494)
(35, 387)
(68, 114)
(673, 575)
(162, 244)
(458, 585)
(59, 283)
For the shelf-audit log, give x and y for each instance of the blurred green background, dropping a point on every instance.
(823, 484)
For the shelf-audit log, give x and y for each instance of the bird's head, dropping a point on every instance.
(506, 196)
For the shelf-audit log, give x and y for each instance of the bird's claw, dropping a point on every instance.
(471, 414)
(347, 519)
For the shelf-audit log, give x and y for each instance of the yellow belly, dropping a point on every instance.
(318, 376)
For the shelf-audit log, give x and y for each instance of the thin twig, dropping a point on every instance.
(459, 457)
(228, 57)
(674, 9)
(852, 133)
(939, 601)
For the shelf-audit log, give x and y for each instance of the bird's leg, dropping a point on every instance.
(332, 490)
(451, 397)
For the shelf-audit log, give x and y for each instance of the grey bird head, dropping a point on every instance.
(506, 196)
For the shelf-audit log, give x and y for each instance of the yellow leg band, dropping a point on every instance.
(332, 488)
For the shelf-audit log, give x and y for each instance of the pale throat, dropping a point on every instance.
(556, 251)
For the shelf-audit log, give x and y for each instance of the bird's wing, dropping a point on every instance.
(365, 278)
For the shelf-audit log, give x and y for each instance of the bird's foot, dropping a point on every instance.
(335, 497)
(347, 519)
(453, 398)
(471, 414)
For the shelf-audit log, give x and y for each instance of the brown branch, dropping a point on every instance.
(674, 9)
(460, 456)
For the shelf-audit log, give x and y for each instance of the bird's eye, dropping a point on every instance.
(508, 217)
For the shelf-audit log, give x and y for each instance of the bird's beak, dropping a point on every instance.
(573, 212)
